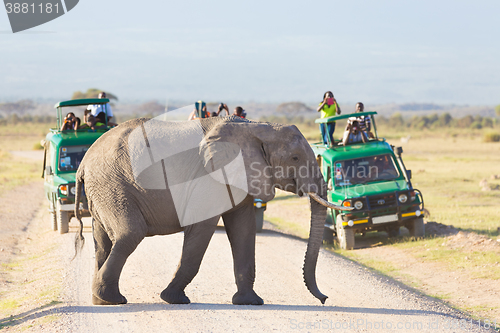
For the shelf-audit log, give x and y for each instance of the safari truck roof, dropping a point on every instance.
(83, 101)
(344, 116)
(76, 102)
(353, 151)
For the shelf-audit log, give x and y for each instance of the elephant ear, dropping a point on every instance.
(223, 161)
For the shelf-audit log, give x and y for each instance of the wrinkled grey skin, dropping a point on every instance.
(124, 213)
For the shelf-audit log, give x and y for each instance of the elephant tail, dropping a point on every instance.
(79, 239)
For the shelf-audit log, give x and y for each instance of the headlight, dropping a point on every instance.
(73, 190)
(63, 189)
(403, 198)
(258, 204)
(358, 205)
(346, 203)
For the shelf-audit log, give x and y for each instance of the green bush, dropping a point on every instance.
(491, 137)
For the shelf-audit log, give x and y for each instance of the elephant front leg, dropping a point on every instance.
(196, 239)
(241, 229)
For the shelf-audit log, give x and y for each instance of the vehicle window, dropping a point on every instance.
(70, 157)
(365, 169)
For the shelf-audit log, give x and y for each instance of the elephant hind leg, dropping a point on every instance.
(196, 239)
(102, 244)
(105, 290)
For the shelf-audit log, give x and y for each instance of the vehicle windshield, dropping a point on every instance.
(70, 157)
(364, 170)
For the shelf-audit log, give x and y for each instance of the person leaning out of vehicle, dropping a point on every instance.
(70, 122)
(328, 108)
(200, 111)
(105, 109)
(353, 134)
(224, 107)
(238, 111)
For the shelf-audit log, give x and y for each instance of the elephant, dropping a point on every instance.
(150, 177)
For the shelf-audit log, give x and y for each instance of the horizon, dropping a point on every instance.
(381, 53)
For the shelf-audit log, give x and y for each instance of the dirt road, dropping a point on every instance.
(359, 300)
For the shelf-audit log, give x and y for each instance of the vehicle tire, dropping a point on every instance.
(393, 231)
(344, 236)
(259, 219)
(53, 219)
(63, 218)
(417, 228)
(328, 235)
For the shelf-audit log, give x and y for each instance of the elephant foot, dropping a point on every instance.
(172, 296)
(97, 301)
(109, 295)
(248, 298)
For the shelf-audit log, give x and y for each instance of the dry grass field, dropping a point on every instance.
(459, 176)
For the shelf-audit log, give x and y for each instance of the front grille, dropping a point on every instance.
(382, 201)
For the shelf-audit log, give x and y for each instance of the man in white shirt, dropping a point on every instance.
(95, 109)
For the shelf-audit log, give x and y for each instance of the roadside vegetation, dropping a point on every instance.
(20, 134)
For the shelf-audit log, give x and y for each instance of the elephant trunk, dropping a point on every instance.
(318, 217)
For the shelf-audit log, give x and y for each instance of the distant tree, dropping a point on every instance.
(92, 93)
(445, 119)
(293, 108)
(487, 122)
(465, 122)
(396, 120)
(497, 110)
(14, 119)
(19, 106)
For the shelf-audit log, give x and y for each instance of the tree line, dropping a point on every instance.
(443, 120)
(14, 119)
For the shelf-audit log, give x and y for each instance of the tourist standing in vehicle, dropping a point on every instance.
(328, 108)
(95, 109)
(200, 111)
(238, 111)
(224, 107)
(69, 122)
(365, 122)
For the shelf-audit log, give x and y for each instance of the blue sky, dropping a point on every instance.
(269, 51)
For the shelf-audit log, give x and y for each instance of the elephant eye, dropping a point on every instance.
(295, 158)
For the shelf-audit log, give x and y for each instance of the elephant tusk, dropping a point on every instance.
(327, 204)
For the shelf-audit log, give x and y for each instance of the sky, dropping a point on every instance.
(383, 51)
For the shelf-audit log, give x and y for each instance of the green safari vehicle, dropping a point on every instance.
(372, 178)
(64, 151)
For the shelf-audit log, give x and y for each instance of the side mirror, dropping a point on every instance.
(399, 150)
(48, 170)
(330, 184)
(408, 174)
